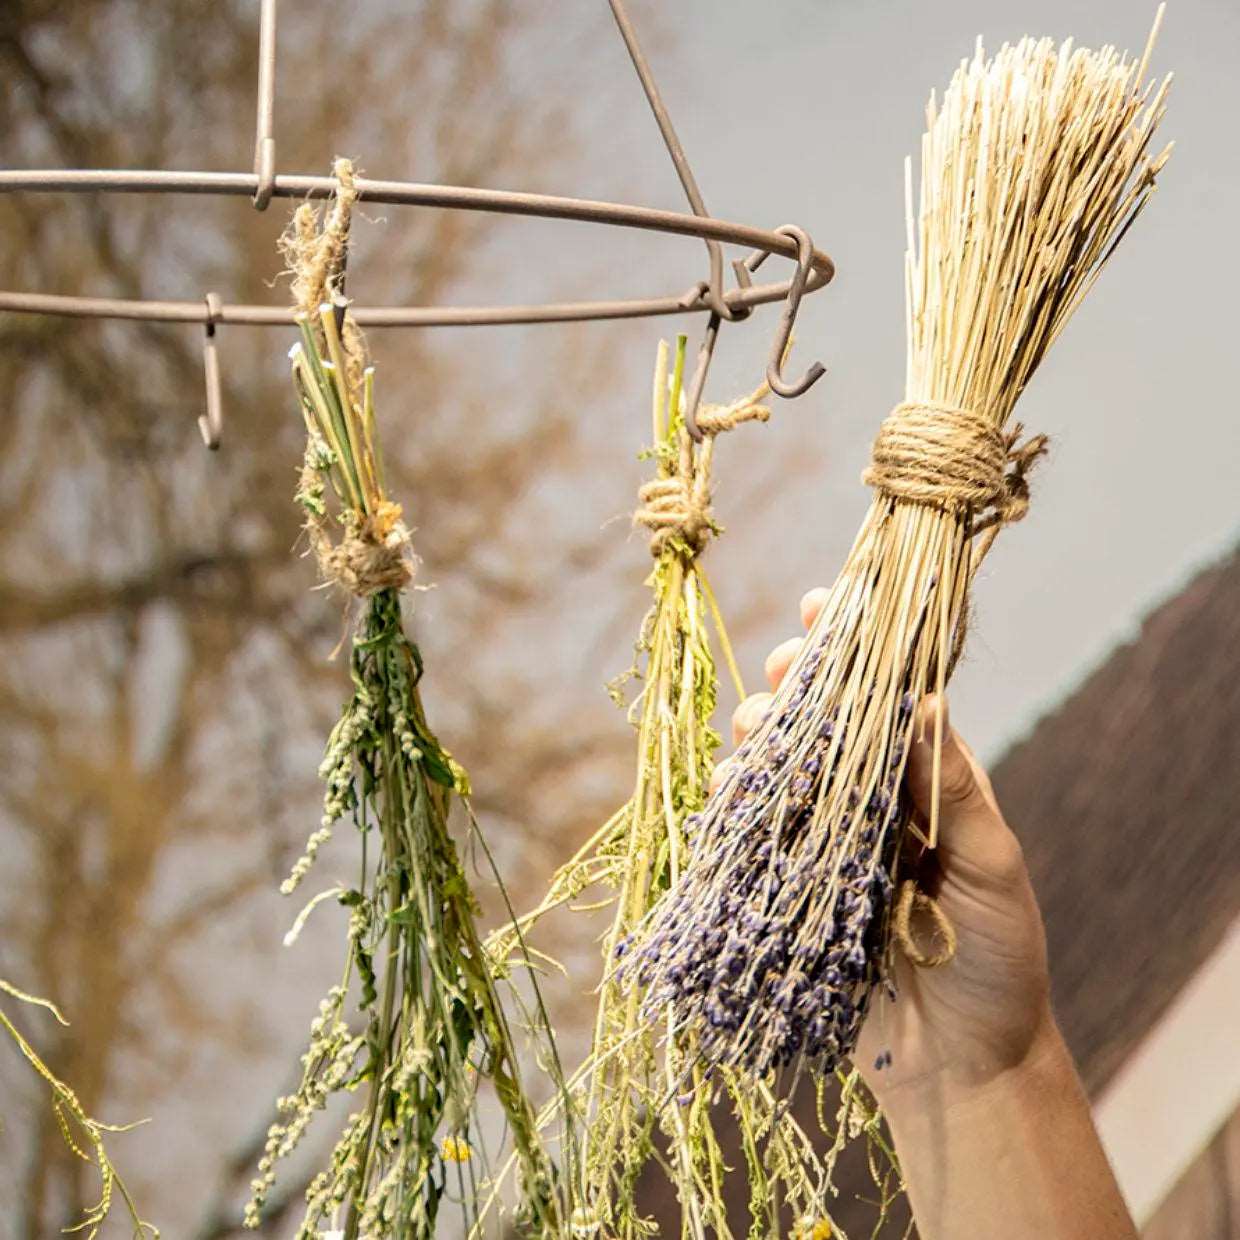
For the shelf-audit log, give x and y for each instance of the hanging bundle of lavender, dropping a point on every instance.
(642, 1093)
(433, 1042)
(768, 949)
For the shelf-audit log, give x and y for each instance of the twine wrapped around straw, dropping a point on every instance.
(675, 505)
(372, 551)
(1033, 167)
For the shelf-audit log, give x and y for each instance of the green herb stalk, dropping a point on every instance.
(432, 1042)
(644, 1096)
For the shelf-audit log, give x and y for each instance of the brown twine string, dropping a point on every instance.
(910, 899)
(676, 508)
(673, 509)
(373, 554)
(715, 419)
(933, 453)
(315, 247)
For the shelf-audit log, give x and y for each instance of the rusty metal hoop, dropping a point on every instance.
(813, 268)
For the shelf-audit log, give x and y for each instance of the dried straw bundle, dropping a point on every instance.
(643, 1094)
(768, 949)
(434, 1043)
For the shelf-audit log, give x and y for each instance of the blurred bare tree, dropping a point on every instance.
(164, 684)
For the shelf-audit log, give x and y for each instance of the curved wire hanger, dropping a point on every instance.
(814, 269)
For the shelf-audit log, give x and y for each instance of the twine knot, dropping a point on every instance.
(675, 507)
(373, 554)
(674, 511)
(933, 453)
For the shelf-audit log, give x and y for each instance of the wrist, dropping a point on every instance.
(970, 1068)
(1009, 1152)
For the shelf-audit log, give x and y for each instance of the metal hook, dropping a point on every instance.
(264, 142)
(787, 319)
(710, 291)
(698, 382)
(212, 423)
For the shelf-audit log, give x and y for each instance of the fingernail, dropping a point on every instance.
(932, 706)
(752, 713)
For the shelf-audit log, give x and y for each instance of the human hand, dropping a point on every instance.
(987, 1009)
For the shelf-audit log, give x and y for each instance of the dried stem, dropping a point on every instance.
(78, 1129)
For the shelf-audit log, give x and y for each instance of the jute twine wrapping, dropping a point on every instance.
(316, 250)
(373, 552)
(676, 509)
(928, 452)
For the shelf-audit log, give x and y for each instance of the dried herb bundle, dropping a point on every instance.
(433, 1042)
(641, 1090)
(769, 947)
(78, 1129)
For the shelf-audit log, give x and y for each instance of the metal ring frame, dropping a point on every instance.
(814, 269)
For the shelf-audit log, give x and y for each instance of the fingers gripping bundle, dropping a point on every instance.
(769, 947)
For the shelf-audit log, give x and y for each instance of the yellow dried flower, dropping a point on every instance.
(812, 1229)
(455, 1149)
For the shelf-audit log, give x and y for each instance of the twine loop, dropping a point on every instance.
(716, 419)
(929, 452)
(675, 507)
(910, 900)
(315, 249)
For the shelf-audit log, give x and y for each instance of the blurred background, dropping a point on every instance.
(165, 672)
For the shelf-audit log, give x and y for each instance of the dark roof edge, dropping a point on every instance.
(1121, 638)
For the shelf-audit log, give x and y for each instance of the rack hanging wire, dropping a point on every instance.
(813, 269)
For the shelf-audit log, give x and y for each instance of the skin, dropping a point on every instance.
(989, 1118)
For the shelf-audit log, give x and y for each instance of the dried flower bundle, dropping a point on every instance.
(78, 1129)
(433, 1042)
(644, 1096)
(768, 949)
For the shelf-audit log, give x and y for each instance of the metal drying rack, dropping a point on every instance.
(813, 269)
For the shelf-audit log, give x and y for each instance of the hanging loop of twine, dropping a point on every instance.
(315, 247)
(933, 453)
(910, 900)
(676, 508)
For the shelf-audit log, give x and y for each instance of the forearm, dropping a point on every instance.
(1015, 1156)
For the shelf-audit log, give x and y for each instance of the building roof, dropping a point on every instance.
(1126, 799)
